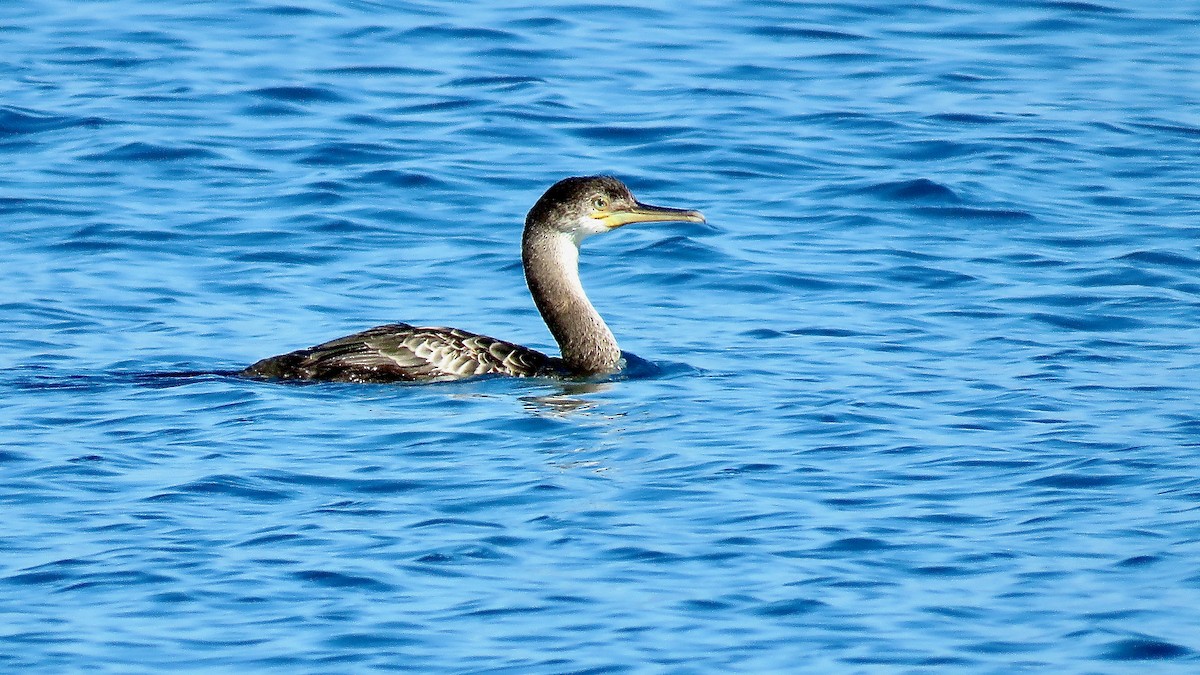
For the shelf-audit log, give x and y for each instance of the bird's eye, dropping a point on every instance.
(600, 203)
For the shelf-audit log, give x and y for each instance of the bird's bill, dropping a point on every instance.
(645, 213)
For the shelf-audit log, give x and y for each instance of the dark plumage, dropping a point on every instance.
(569, 212)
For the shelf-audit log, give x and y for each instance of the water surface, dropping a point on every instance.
(926, 383)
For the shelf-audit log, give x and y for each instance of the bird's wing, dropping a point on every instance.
(403, 352)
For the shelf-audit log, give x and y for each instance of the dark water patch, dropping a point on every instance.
(1136, 649)
(370, 641)
(104, 62)
(10, 457)
(1090, 323)
(640, 554)
(1168, 259)
(121, 579)
(370, 121)
(917, 190)
(364, 486)
(294, 11)
(352, 508)
(1126, 276)
(705, 605)
(948, 571)
(344, 226)
(226, 486)
(458, 33)
(1178, 129)
(494, 81)
(317, 197)
(1140, 561)
(520, 55)
(493, 612)
(438, 522)
(1069, 299)
(962, 77)
(631, 134)
(849, 57)
(41, 578)
(857, 545)
(380, 71)
(1073, 243)
(149, 152)
(446, 105)
(298, 94)
(40, 206)
(750, 468)
(1079, 481)
(767, 333)
(792, 32)
(1085, 7)
(22, 121)
(273, 109)
(342, 580)
(795, 607)
(271, 540)
(967, 118)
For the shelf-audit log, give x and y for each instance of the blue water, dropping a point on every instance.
(923, 391)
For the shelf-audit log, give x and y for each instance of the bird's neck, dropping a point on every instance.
(551, 261)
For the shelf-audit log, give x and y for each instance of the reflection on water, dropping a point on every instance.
(567, 401)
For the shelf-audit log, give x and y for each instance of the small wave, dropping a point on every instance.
(22, 121)
(341, 580)
(929, 277)
(1142, 649)
(966, 118)
(149, 152)
(1162, 258)
(1092, 323)
(403, 179)
(298, 94)
(964, 213)
(796, 607)
(225, 486)
(791, 32)
(447, 32)
(631, 134)
(938, 149)
(346, 154)
(916, 190)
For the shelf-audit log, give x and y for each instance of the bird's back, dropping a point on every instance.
(399, 352)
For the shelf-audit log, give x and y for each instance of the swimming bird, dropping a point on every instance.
(572, 210)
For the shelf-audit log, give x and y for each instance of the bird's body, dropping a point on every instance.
(570, 211)
(399, 352)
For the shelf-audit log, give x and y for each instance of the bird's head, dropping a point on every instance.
(586, 205)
